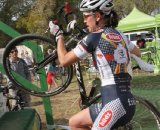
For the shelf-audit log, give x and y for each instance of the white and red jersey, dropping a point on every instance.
(110, 50)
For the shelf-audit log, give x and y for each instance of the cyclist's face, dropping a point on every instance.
(90, 21)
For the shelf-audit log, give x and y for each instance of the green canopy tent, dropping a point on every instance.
(157, 18)
(136, 20)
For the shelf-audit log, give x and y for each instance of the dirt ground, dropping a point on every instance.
(64, 105)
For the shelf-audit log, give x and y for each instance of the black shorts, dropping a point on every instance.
(116, 108)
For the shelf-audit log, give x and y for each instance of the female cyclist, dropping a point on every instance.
(111, 52)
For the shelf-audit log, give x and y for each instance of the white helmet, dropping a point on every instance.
(103, 5)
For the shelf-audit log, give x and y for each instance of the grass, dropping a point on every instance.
(147, 85)
(65, 104)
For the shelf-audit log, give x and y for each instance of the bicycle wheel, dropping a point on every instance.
(146, 117)
(38, 120)
(59, 72)
(1, 78)
(37, 47)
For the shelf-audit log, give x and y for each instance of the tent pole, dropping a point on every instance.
(156, 33)
(157, 65)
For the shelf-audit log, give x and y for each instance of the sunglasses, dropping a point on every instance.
(14, 51)
(86, 15)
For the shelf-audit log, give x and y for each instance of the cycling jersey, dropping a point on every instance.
(110, 50)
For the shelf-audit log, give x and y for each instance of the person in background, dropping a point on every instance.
(140, 42)
(19, 66)
(28, 60)
(51, 73)
(22, 54)
(111, 51)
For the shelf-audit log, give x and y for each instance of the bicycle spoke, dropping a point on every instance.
(37, 47)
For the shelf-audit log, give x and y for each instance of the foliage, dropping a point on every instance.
(10, 10)
(36, 20)
(124, 7)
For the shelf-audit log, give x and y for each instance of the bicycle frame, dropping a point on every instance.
(86, 100)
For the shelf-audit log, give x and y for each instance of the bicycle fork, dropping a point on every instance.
(82, 90)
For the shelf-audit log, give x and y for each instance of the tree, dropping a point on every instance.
(124, 7)
(10, 11)
(36, 20)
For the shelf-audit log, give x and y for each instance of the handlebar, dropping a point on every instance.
(69, 21)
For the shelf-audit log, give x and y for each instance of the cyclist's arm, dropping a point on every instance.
(65, 58)
(134, 49)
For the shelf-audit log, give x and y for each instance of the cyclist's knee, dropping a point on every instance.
(81, 120)
(73, 122)
(77, 124)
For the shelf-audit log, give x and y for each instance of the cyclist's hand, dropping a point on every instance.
(55, 30)
(71, 25)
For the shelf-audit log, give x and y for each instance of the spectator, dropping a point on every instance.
(30, 64)
(22, 54)
(51, 73)
(19, 66)
(28, 60)
(140, 42)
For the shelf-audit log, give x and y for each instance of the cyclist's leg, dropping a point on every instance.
(81, 121)
(118, 108)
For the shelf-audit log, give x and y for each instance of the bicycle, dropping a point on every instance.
(32, 41)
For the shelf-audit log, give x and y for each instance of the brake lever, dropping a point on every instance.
(66, 9)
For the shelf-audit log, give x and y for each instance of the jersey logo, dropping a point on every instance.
(120, 54)
(114, 37)
(105, 119)
(99, 55)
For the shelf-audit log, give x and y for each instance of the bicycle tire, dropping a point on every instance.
(36, 44)
(146, 117)
(1, 78)
(39, 121)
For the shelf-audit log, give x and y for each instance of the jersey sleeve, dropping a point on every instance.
(87, 45)
(80, 50)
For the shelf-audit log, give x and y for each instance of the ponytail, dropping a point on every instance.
(111, 19)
